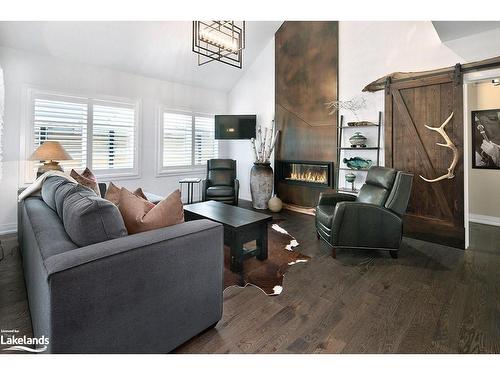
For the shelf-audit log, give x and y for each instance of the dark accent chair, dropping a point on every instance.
(373, 219)
(221, 183)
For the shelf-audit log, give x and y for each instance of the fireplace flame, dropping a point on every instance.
(309, 176)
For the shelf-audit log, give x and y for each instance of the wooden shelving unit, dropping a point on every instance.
(340, 148)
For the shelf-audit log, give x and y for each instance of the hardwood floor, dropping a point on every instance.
(433, 299)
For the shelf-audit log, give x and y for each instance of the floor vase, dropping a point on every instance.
(261, 184)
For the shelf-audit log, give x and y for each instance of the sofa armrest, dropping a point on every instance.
(331, 199)
(366, 225)
(145, 293)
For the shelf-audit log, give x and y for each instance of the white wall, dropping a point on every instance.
(370, 50)
(23, 69)
(253, 94)
(367, 51)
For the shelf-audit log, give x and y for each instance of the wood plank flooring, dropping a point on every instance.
(433, 299)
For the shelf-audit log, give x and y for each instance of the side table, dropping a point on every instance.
(190, 186)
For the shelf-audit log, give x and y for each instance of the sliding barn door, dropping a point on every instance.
(436, 209)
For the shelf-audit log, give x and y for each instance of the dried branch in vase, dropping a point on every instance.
(263, 145)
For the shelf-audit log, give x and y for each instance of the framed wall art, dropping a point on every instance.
(486, 139)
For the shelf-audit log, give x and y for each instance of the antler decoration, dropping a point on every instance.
(449, 144)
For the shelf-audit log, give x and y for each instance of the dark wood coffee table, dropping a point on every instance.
(240, 226)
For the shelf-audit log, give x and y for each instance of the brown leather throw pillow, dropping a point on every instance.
(113, 193)
(87, 179)
(141, 215)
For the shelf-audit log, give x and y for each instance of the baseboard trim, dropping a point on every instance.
(484, 219)
(8, 228)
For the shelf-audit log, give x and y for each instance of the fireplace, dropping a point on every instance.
(317, 174)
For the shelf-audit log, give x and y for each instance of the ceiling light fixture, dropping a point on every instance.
(222, 41)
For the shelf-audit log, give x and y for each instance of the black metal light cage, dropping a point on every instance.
(216, 53)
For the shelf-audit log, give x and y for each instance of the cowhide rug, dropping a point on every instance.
(268, 274)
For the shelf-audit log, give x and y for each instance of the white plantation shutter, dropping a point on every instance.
(177, 140)
(205, 145)
(64, 121)
(113, 137)
(98, 134)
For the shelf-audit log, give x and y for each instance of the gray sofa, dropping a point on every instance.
(143, 293)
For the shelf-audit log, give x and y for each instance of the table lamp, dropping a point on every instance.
(50, 152)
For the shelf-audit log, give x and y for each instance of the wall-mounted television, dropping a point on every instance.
(235, 126)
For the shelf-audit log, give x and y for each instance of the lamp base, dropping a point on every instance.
(49, 166)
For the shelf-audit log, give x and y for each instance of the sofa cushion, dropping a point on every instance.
(61, 192)
(87, 179)
(90, 219)
(50, 235)
(49, 188)
(220, 191)
(373, 195)
(221, 171)
(381, 177)
(378, 184)
(141, 215)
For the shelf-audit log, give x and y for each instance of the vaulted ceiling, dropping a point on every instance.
(471, 40)
(159, 50)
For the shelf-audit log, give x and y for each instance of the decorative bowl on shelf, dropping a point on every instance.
(358, 163)
(358, 140)
(361, 123)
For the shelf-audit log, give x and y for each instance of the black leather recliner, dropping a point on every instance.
(373, 219)
(221, 183)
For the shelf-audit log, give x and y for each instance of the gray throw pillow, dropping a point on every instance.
(60, 196)
(49, 188)
(90, 219)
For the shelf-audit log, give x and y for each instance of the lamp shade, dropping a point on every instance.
(50, 150)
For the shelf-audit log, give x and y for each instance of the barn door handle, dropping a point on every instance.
(449, 144)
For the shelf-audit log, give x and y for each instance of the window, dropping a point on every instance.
(177, 140)
(187, 141)
(101, 135)
(205, 145)
(63, 121)
(113, 137)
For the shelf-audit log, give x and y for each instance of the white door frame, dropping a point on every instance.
(468, 79)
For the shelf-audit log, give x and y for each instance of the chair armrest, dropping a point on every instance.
(366, 225)
(236, 191)
(331, 199)
(205, 183)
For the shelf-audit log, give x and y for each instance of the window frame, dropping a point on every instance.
(193, 169)
(28, 136)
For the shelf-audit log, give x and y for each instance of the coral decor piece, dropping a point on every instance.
(353, 105)
(357, 163)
